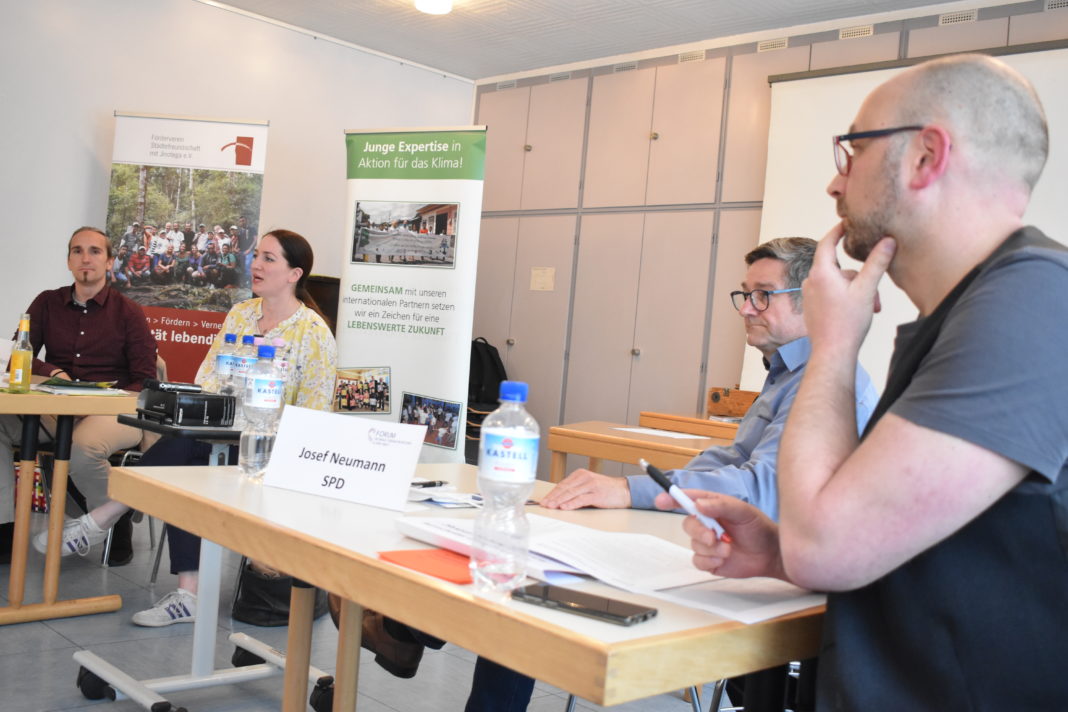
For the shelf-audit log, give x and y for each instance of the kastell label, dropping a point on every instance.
(224, 364)
(266, 392)
(509, 457)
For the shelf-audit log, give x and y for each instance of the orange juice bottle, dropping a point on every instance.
(22, 358)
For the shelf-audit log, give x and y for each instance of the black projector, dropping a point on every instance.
(185, 404)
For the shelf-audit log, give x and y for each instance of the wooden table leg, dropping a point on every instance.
(16, 612)
(57, 506)
(298, 647)
(596, 464)
(557, 465)
(346, 677)
(20, 541)
(49, 608)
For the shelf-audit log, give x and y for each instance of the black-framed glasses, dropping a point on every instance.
(759, 298)
(843, 159)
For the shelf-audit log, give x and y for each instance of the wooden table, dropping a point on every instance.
(333, 545)
(686, 424)
(65, 407)
(599, 440)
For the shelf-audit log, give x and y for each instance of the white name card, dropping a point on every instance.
(345, 457)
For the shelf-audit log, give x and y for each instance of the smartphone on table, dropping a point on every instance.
(584, 604)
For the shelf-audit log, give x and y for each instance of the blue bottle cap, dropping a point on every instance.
(230, 338)
(248, 339)
(514, 391)
(266, 352)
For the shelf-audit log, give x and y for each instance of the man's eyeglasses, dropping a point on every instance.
(759, 298)
(843, 159)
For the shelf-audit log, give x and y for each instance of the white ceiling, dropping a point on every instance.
(489, 38)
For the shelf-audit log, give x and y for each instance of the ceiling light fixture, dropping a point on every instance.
(434, 7)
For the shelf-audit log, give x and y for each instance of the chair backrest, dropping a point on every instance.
(325, 291)
(730, 402)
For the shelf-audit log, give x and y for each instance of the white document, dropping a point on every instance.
(662, 433)
(457, 535)
(746, 600)
(633, 562)
(345, 457)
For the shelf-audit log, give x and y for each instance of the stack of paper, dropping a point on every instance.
(641, 563)
(633, 562)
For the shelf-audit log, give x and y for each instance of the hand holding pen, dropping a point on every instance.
(681, 497)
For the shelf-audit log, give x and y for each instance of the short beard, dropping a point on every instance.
(863, 232)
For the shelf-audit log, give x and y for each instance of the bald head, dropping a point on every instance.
(989, 108)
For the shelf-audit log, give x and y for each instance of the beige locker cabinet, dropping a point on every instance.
(504, 114)
(554, 133)
(602, 321)
(495, 281)
(654, 135)
(738, 233)
(669, 327)
(522, 299)
(638, 322)
(748, 116)
(533, 145)
(617, 150)
(687, 113)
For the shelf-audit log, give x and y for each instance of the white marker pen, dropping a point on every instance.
(681, 497)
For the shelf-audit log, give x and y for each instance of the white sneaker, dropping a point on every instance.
(79, 535)
(176, 607)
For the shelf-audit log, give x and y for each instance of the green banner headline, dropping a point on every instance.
(424, 155)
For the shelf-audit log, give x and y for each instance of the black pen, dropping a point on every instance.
(430, 483)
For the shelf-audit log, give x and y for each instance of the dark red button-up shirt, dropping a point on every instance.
(106, 340)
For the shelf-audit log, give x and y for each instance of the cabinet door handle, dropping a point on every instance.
(510, 342)
(654, 135)
(528, 147)
(636, 351)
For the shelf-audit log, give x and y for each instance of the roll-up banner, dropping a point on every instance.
(408, 282)
(183, 214)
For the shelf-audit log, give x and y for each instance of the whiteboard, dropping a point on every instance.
(805, 113)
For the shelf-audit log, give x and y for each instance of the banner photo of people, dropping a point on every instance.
(183, 214)
(408, 280)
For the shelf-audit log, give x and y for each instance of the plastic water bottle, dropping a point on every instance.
(224, 364)
(281, 358)
(507, 467)
(244, 360)
(264, 397)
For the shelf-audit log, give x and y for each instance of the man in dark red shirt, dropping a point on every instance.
(89, 332)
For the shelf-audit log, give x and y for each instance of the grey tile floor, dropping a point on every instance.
(37, 671)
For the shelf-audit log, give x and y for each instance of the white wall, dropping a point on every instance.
(67, 65)
(804, 116)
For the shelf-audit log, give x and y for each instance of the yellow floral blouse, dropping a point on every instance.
(310, 350)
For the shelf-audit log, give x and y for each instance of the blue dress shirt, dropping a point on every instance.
(746, 469)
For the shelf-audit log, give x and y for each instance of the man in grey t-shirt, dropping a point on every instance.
(940, 533)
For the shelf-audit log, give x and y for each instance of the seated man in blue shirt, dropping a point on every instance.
(775, 325)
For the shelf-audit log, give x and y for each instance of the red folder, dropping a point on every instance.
(442, 563)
